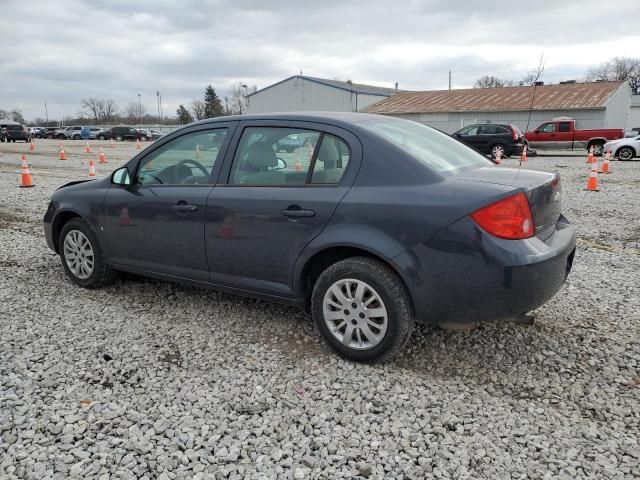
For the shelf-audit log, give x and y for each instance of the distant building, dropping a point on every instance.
(302, 93)
(634, 114)
(593, 105)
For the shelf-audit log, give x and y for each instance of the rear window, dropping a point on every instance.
(436, 149)
(14, 127)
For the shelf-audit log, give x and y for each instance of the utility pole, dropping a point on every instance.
(46, 112)
(140, 110)
(158, 104)
(449, 79)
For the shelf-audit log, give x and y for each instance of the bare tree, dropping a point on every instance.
(91, 108)
(109, 111)
(198, 109)
(489, 81)
(238, 101)
(134, 112)
(618, 68)
(533, 76)
(16, 115)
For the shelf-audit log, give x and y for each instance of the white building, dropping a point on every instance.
(592, 105)
(634, 114)
(302, 93)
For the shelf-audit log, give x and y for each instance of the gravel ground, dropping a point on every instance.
(147, 379)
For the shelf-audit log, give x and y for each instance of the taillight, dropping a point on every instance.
(514, 132)
(508, 218)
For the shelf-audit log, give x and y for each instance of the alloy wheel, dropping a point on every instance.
(355, 314)
(78, 253)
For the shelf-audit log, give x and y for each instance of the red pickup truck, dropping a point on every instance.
(561, 134)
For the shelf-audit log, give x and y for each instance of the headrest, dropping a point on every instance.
(261, 156)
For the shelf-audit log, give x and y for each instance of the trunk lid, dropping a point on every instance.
(543, 190)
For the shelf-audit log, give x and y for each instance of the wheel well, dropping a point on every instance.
(58, 223)
(324, 259)
(597, 141)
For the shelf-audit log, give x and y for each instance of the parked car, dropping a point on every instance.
(389, 222)
(69, 133)
(120, 134)
(561, 134)
(38, 132)
(144, 134)
(16, 132)
(491, 139)
(292, 142)
(155, 134)
(625, 149)
(51, 132)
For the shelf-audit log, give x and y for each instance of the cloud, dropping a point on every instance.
(63, 51)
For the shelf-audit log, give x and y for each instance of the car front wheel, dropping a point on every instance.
(82, 257)
(362, 309)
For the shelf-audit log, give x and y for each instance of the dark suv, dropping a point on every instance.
(491, 138)
(120, 133)
(16, 132)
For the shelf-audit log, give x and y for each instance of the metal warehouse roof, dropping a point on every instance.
(548, 97)
(348, 86)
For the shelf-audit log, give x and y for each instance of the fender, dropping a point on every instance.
(372, 241)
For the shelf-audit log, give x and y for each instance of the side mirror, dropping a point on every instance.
(536, 131)
(121, 177)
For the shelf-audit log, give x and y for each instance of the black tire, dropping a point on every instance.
(625, 153)
(76, 137)
(143, 138)
(388, 286)
(598, 148)
(494, 149)
(101, 137)
(102, 274)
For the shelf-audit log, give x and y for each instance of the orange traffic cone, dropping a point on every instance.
(523, 157)
(25, 180)
(197, 150)
(62, 155)
(92, 168)
(605, 164)
(102, 158)
(498, 157)
(32, 146)
(590, 157)
(87, 148)
(138, 147)
(592, 183)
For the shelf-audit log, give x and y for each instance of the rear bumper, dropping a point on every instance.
(464, 275)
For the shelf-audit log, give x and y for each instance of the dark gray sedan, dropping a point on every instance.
(373, 223)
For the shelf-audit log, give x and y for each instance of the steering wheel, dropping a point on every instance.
(281, 165)
(198, 165)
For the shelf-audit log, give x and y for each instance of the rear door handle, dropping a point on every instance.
(184, 208)
(294, 211)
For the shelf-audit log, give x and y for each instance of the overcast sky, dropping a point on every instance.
(63, 51)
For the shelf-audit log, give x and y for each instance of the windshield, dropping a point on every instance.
(436, 149)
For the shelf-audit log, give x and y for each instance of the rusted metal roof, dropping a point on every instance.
(547, 97)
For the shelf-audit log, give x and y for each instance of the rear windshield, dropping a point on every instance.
(14, 127)
(436, 149)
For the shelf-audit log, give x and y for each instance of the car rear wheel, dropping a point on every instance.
(362, 309)
(143, 138)
(625, 153)
(101, 137)
(598, 148)
(82, 257)
(119, 138)
(498, 148)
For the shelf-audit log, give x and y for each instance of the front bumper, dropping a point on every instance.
(465, 275)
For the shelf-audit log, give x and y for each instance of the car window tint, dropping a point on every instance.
(472, 130)
(564, 127)
(434, 148)
(273, 156)
(331, 161)
(186, 160)
(487, 130)
(548, 127)
(503, 130)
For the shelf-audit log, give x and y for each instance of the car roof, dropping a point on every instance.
(335, 118)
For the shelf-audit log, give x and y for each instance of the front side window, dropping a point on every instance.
(186, 160)
(472, 130)
(548, 128)
(434, 148)
(273, 156)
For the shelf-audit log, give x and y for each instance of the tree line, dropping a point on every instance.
(618, 68)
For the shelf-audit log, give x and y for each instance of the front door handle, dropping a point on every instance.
(184, 208)
(294, 211)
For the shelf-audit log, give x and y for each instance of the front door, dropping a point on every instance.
(543, 137)
(274, 204)
(157, 223)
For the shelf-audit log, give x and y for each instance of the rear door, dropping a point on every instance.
(564, 135)
(269, 205)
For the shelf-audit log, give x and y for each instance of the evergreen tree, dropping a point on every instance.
(184, 116)
(212, 103)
